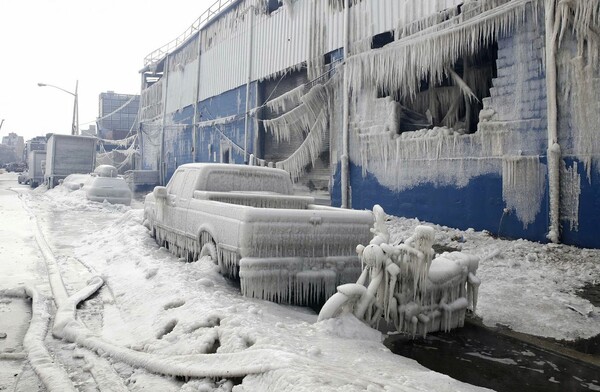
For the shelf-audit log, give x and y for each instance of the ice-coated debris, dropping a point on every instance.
(406, 286)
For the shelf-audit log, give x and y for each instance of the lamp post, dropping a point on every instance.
(75, 124)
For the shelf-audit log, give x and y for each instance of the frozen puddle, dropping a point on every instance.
(480, 357)
(15, 314)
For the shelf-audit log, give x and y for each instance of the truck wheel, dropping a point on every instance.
(209, 249)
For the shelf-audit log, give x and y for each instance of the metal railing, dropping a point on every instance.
(207, 15)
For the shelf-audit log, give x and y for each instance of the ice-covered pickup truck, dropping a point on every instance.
(283, 247)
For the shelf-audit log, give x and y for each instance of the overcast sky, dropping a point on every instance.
(101, 43)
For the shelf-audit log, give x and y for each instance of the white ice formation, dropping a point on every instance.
(405, 285)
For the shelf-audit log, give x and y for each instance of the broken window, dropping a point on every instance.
(380, 40)
(453, 102)
(273, 5)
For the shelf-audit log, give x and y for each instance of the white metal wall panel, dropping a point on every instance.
(224, 66)
(280, 40)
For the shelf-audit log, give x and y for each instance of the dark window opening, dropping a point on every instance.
(446, 103)
(380, 40)
(329, 58)
(225, 155)
(274, 5)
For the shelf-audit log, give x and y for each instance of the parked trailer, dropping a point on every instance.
(36, 161)
(67, 154)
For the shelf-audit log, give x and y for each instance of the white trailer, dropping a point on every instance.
(67, 154)
(36, 162)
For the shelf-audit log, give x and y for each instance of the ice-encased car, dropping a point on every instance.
(112, 189)
(103, 184)
(74, 182)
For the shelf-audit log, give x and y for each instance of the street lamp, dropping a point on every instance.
(75, 124)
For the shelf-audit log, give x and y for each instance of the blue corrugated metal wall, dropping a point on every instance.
(478, 205)
(179, 146)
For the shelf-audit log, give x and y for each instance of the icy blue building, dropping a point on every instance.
(479, 114)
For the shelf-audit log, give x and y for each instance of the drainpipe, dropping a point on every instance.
(345, 112)
(196, 98)
(249, 59)
(139, 138)
(553, 152)
(162, 169)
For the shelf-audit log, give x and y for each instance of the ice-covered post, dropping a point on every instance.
(248, 81)
(553, 151)
(345, 175)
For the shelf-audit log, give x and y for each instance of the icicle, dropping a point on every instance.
(523, 180)
(286, 101)
(309, 151)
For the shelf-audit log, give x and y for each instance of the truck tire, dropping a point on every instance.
(209, 249)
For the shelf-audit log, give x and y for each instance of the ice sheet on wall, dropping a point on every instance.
(523, 186)
(570, 191)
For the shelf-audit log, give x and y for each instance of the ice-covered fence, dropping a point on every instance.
(406, 286)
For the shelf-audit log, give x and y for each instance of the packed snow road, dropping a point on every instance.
(156, 316)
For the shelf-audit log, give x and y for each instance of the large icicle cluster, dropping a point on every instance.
(298, 280)
(580, 20)
(286, 101)
(312, 115)
(309, 150)
(401, 65)
(583, 17)
(405, 285)
(403, 30)
(412, 158)
(151, 102)
(570, 190)
(523, 179)
(302, 117)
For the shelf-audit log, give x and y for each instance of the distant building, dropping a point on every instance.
(117, 115)
(15, 142)
(91, 131)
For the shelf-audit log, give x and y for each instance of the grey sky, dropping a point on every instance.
(100, 43)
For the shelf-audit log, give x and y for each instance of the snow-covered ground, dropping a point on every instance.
(527, 286)
(155, 308)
